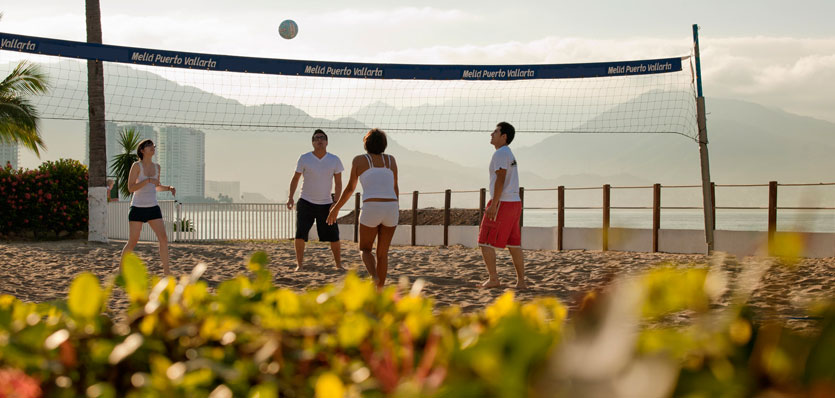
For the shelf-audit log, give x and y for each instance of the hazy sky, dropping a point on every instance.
(775, 53)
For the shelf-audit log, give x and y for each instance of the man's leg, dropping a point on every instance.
(299, 245)
(489, 255)
(519, 264)
(304, 221)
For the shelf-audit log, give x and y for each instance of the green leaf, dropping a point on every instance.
(135, 277)
(86, 296)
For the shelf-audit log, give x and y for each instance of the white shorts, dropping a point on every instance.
(376, 213)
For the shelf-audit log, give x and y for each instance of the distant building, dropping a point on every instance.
(181, 154)
(9, 153)
(230, 189)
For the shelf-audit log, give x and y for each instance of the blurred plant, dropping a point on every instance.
(183, 225)
(248, 337)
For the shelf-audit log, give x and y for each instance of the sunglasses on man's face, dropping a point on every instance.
(320, 138)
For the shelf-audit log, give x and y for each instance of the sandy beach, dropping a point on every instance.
(43, 271)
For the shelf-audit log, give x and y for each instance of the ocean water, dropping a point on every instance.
(730, 220)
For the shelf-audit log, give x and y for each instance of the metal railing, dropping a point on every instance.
(201, 222)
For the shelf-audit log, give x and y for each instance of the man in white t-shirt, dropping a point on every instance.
(500, 224)
(321, 171)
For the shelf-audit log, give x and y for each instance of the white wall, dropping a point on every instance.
(685, 241)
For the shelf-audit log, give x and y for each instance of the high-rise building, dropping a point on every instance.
(9, 153)
(181, 153)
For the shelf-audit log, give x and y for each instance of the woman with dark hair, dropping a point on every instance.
(143, 183)
(377, 172)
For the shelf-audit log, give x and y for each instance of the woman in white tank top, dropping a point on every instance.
(143, 183)
(377, 172)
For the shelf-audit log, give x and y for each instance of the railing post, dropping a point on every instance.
(560, 215)
(605, 239)
(772, 215)
(713, 203)
(357, 218)
(447, 202)
(414, 216)
(656, 215)
(482, 202)
(177, 219)
(522, 213)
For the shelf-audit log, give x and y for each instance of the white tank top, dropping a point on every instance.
(147, 195)
(378, 182)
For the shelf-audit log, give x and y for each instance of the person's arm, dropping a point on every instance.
(498, 187)
(346, 194)
(134, 186)
(293, 184)
(337, 185)
(164, 188)
(394, 171)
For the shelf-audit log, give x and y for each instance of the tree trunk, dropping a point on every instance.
(97, 189)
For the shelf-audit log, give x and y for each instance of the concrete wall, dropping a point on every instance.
(685, 241)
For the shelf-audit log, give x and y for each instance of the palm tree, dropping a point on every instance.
(97, 192)
(18, 117)
(120, 164)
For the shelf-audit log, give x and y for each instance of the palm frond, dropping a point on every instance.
(120, 164)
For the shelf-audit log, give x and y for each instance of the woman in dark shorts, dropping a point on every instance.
(143, 183)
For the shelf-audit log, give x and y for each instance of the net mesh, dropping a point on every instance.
(230, 101)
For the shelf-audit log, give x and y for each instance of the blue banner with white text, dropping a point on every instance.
(214, 62)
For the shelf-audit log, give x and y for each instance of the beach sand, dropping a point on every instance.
(43, 271)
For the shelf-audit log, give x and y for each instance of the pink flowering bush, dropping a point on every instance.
(46, 201)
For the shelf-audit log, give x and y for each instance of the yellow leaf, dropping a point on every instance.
(85, 296)
(500, 308)
(329, 386)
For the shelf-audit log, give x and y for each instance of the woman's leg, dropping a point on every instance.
(366, 242)
(159, 228)
(135, 228)
(383, 243)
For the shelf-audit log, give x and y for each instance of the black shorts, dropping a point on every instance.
(306, 213)
(144, 214)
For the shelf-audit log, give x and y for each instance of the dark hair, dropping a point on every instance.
(142, 146)
(508, 130)
(375, 141)
(319, 131)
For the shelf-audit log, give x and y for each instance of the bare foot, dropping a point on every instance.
(521, 286)
(339, 267)
(298, 268)
(490, 284)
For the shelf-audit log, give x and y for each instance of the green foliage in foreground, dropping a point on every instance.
(252, 339)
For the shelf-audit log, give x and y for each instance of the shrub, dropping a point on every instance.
(45, 201)
(251, 338)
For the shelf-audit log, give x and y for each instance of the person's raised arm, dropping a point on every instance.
(337, 185)
(167, 188)
(133, 175)
(394, 171)
(293, 184)
(346, 194)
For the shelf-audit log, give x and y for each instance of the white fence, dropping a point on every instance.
(209, 221)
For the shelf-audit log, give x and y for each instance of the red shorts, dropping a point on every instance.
(504, 231)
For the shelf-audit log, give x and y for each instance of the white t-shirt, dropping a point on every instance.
(503, 159)
(318, 177)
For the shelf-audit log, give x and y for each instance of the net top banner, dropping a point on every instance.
(215, 62)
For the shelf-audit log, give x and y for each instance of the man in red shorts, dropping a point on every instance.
(500, 224)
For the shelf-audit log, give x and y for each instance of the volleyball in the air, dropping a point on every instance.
(288, 29)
